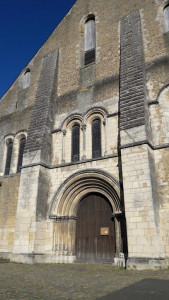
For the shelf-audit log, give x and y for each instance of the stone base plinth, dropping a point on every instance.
(41, 258)
(5, 255)
(147, 263)
(136, 263)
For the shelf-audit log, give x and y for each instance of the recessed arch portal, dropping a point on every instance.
(65, 212)
(65, 202)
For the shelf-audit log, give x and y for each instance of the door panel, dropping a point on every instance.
(94, 213)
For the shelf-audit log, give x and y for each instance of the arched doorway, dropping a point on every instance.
(68, 212)
(95, 229)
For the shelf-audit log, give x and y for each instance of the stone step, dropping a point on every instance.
(3, 260)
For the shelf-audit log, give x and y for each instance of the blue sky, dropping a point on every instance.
(24, 27)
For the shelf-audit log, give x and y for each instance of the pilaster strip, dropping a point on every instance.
(132, 93)
(40, 119)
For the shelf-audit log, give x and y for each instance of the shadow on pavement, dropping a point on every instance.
(147, 289)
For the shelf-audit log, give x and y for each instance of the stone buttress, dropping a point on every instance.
(32, 200)
(140, 195)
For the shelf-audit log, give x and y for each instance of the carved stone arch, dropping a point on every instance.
(160, 97)
(74, 188)
(87, 16)
(162, 117)
(96, 111)
(164, 112)
(66, 205)
(161, 7)
(27, 70)
(97, 147)
(9, 140)
(19, 146)
(83, 21)
(20, 135)
(71, 119)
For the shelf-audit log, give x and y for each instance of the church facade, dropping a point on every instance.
(84, 141)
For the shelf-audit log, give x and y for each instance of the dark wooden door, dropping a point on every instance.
(95, 234)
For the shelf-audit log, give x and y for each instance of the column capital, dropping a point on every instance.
(83, 127)
(64, 132)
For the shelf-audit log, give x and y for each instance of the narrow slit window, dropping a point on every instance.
(26, 79)
(90, 40)
(166, 18)
(96, 138)
(20, 156)
(75, 142)
(8, 158)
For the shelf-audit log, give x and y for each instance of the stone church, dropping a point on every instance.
(84, 141)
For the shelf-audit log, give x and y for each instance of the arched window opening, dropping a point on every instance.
(96, 138)
(20, 156)
(90, 40)
(26, 78)
(166, 18)
(8, 158)
(75, 142)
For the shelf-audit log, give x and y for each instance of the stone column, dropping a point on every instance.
(83, 128)
(63, 146)
(118, 234)
(105, 137)
(65, 230)
(15, 156)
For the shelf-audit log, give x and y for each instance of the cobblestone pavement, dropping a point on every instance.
(67, 281)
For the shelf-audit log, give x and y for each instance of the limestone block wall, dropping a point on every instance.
(159, 116)
(35, 232)
(25, 229)
(141, 205)
(9, 187)
(12, 128)
(128, 38)
(69, 38)
(145, 241)
(162, 174)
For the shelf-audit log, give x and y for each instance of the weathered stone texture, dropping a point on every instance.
(140, 205)
(8, 204)
(132, 92)
(131, 65)
(159, 116)
(41, 119)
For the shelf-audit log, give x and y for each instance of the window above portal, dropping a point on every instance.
(166, 18)
(90, 40)
(26, 78)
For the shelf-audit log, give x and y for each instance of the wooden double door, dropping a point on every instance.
(95, 230)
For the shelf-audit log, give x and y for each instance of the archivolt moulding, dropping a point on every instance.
(71, 118)
(96, 111)
(161, 92)
(73, 189)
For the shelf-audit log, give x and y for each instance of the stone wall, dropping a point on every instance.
(9, 187)
(129, 36)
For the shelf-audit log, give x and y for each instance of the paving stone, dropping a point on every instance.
(68, 281)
